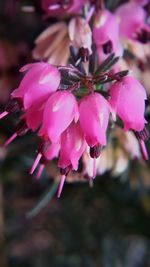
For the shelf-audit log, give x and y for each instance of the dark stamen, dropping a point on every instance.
(143, 36)
(84, 54)
(108, 47)
(66, 170)
(95, 151)
(143, 135)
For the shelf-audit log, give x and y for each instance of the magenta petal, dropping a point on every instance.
(128, 100)
(96, 108)
(34, 116)
(60, 110)
(40, 80)
(72, 146)
(52, 151)
(27, 67)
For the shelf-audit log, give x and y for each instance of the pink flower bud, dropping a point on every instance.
(72, 146)
(128, 101)
(94, 116)
(80, 33)
(38, 83)
(60, 110)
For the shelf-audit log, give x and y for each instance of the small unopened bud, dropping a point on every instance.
(80, 35)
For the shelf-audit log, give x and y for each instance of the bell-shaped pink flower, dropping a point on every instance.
(106, 34)
(131, 17)
(127, 99)
(60, 110)
(72, 146)
(40, 80)
(94, 115)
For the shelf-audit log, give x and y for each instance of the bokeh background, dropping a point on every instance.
(107, 225)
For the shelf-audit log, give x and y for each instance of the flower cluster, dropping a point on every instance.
(108, 39)
(71, 107)
(70, 118)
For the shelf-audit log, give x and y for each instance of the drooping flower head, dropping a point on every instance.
(95, 107)
(72, 146)
(60, 110)
(127, 99)
(40, 80)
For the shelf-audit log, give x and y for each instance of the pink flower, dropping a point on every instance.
(38, 83)
(94, 116)
(106, 34)
(60, 110)
(61, 8)
(128, 101)
(72, 146)
(132, 20)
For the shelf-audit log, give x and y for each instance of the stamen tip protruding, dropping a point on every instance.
(36, 162)
(61, 185)
(94, 168)
(90, 182)
(3, 114)
(40, 170)
(10, 140)
(144, 150)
